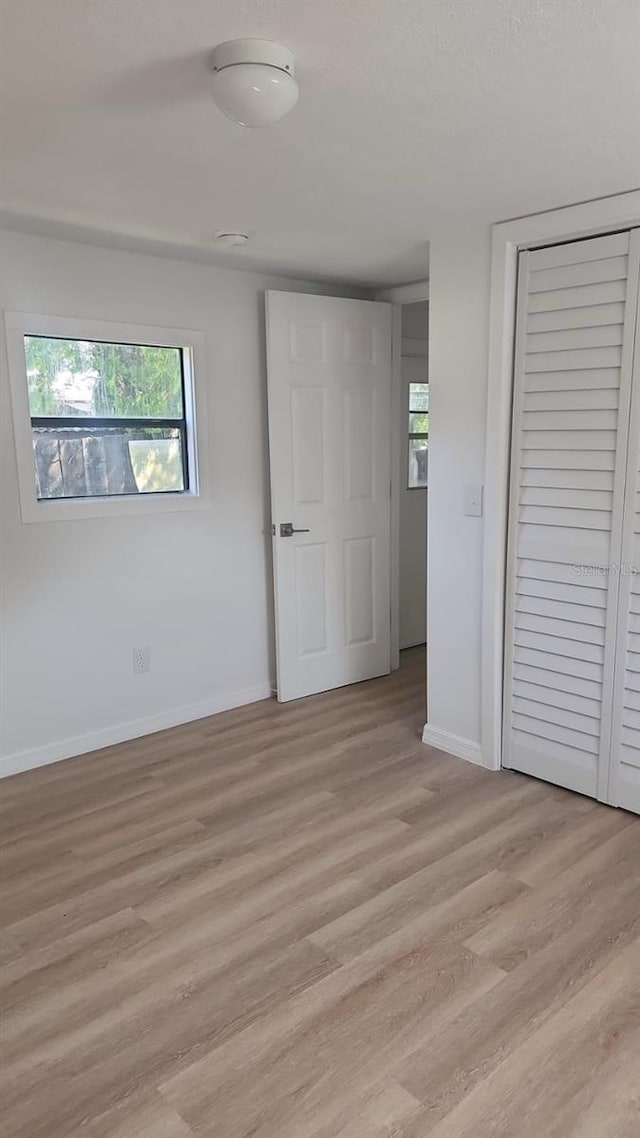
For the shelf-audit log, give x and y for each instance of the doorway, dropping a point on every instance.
(413, 427)
(348, 427)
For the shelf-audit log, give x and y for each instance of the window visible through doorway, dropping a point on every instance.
(418, 435)
(107, 418)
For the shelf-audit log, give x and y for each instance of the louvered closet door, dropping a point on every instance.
(574, 343)
(624, 779)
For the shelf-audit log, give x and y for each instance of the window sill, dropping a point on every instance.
(114, 506)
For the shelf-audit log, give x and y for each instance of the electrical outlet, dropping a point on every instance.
(141, 661)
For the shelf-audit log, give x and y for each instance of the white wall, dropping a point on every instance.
(458, 331)
(415, 320)
(77, 596)
(413, 503)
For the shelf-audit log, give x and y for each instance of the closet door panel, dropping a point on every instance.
(576, 309)
(624, 782)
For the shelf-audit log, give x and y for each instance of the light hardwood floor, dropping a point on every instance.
(299, 922)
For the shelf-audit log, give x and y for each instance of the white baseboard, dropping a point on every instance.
(134, 729)
(453, 744)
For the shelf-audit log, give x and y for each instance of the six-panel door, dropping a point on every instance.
(329, 394)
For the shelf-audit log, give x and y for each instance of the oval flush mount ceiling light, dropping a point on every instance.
(253, 81)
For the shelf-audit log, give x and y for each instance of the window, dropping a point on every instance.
(418, 435)
(106, 418)
(101, 412)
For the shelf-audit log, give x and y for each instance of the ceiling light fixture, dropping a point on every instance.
(253, 81)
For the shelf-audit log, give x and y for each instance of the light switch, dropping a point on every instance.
(473, 501)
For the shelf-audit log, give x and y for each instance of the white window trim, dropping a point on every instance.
(621, 211)
(21, 324)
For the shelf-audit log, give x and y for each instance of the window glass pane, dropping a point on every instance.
(418, 423)
(84, 377)
(418, 462)
(418, 396)
(81, 462)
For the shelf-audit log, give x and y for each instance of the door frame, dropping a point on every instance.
(572, 223)
(397, 296)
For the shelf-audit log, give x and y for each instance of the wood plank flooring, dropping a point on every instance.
(299, 922)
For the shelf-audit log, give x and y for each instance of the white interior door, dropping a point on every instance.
(329, 389)
(574, 354)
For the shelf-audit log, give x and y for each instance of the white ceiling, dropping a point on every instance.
(414, 114)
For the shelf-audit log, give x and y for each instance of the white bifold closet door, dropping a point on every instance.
(576, 320)
(624, 775)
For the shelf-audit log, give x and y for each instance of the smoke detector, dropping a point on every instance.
(229, 239)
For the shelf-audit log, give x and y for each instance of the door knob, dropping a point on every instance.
(287, 529)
